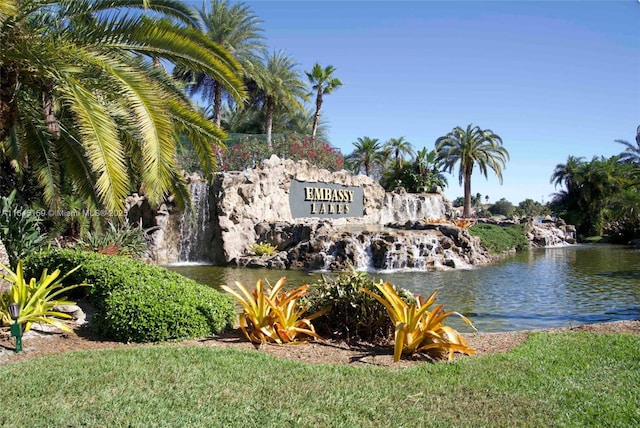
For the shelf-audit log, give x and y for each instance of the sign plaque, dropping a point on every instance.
(326, 200)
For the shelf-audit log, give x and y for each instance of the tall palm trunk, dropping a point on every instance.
(271, 107)
(8, 100)
(467, 192)
(316, 116)
(50, 120)
(217, 103)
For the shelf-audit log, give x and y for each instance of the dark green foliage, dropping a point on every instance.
(136, 302)
(20, 229)
(418, 176)
(353, 314)
(499, 239)
(502, 207)
(119, 239)
(531, 208)
(599, 197)
(413, 179)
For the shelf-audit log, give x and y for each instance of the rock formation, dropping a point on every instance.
(315, 219)
(550, 233)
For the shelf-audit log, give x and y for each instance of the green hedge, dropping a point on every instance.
(137, 302)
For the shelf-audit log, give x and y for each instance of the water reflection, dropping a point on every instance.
(543, 288)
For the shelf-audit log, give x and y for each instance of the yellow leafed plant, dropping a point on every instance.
(274, 315)
(416, 328)
(37, 298)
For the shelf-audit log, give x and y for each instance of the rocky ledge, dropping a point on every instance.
(323, 246)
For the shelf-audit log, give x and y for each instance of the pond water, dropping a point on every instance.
(552, 287)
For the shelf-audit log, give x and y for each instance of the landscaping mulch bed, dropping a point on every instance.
(36, 345)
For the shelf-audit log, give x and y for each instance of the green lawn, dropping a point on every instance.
(553, 379)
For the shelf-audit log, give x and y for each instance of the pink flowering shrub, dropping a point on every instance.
(247, 151)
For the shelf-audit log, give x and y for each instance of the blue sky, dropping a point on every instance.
(552, 78)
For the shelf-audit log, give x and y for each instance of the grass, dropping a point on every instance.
(499, 239)
(553, 379)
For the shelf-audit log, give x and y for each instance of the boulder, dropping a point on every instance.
(4, 259)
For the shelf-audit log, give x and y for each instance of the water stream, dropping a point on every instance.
(543, 288)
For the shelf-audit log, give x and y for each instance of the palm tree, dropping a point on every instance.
(298, 122)
(111, 118)
(470, 147)
(323, 83)
(566, 173)
(282, 86)
(367, 156)
(235, 28)
(398, 148)
(631, 153)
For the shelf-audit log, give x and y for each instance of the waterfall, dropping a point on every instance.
(414, 252)
(328, 254)
(402, 207)
(362, 254)
(195, 227)
(385, 251)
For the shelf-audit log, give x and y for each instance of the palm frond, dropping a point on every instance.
(103, 148)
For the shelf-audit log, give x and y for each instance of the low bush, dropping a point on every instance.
(263, 249)
(136, 302)
(499, 239)
(352, 313)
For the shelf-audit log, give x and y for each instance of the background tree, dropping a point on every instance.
(322, 83)
(476, 200)
(566, 173)
(599, 196)
(419, 176)
(631, 153)
(502, 207)
(470, 147)
(282, 86)
(367, 156)
(237, 29)
(531, 208)
(398, 149)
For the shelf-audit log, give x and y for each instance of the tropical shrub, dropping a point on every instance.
(416, 328)
(247, 151)
(274, 315)
(119, 239)
(136, 302)
(352, 313)
(20, 228)
(37, 298)
(263, 249)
